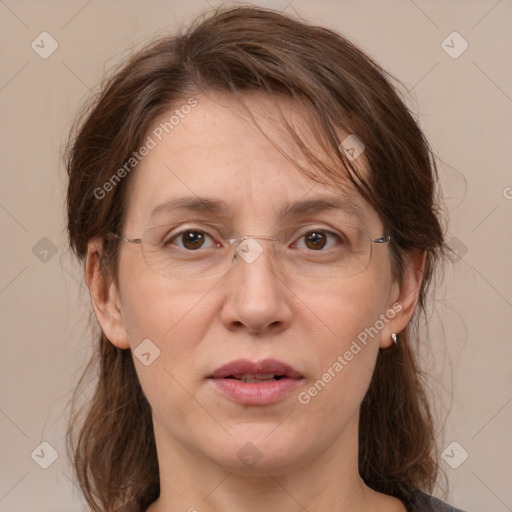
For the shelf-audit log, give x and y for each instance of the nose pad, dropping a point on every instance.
(249, 250)
(251, 247)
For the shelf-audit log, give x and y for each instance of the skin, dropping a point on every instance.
(308, 452)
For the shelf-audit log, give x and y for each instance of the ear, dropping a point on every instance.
(404, 297)
(104, 297)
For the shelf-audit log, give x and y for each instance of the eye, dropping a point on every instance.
(317, 240)
(192, 239)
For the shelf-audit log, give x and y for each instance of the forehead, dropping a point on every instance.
(215, 151)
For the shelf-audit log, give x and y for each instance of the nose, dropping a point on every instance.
(257, 298)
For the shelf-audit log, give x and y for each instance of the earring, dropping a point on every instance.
(394, 337)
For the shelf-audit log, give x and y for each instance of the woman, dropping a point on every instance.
(256, 210)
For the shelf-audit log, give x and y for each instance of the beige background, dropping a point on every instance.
(465, 108)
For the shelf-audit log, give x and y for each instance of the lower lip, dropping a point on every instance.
(254, 393)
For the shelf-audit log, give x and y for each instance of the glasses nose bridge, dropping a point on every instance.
(259, 237)
(248, 248)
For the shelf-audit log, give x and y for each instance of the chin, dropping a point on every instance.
(259, 450)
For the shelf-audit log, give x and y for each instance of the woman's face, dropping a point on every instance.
(327, 330)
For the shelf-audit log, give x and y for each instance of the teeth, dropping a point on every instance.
(256, 377)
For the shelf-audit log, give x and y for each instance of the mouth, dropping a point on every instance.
(256, 383)
(268, 369)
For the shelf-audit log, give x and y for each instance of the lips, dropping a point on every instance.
(268, 369)
(256, 383)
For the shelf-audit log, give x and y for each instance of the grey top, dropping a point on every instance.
(422, 502)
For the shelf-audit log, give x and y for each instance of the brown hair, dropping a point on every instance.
(242, 50)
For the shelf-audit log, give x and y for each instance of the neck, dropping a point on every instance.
(329, 481)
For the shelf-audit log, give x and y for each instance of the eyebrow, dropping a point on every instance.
(221, 208)
(321, 204)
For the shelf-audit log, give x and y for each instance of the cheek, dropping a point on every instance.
(347, 344)
(175, 321)
(345, 309)
(159, 308)
(166, 320)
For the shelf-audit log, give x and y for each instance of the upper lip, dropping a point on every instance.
(243, 367)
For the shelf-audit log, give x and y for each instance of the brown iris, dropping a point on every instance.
(315, 240)
(192, 239)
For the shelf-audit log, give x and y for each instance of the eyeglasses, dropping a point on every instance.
(195, 254)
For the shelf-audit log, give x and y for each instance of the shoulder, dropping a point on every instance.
(421, 502)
